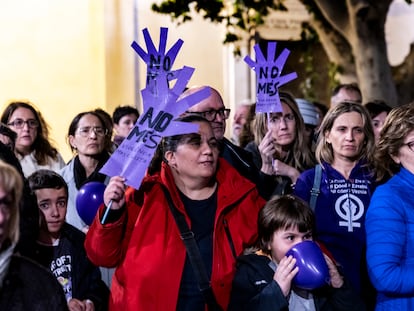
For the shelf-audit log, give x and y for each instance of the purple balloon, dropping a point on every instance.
(313, 270)
(88, 200)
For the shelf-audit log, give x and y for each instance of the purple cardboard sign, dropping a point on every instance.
(132, 157)
(159, 63)
(269, 79)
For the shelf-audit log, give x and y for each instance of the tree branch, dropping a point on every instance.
(337, 49)
(336, 13)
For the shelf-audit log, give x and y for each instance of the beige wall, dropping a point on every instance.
(52, 55)
(202, 48)
(68, 56)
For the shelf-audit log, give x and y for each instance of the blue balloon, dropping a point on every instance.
(88, 200)
(313, 269)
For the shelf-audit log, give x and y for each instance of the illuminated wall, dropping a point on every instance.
(68, 56)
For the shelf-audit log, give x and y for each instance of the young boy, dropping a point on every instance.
(263, 279)
(60, 246)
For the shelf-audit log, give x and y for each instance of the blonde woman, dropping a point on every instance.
(279, 147)
(346, 182)
(19, 277)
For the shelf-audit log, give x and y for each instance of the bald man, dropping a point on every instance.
(212, 108)
(346, 92)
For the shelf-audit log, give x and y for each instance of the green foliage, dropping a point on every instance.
(180, 9)
(333, 70)
(237, 15)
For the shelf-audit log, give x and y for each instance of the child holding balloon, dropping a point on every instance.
(265, 279)
(59, 245)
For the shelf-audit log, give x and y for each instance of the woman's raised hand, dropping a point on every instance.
(115, 192)
(267, 150)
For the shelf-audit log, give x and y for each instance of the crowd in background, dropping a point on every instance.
(194, 233)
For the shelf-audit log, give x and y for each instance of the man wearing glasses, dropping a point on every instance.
(212, 108)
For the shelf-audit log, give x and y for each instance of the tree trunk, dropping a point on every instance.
(362, 24)
(338, 51)
(404, 78)
(367, 38)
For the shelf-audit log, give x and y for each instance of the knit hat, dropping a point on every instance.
(308, 111)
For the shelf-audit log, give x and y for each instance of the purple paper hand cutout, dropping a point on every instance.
(269, 79)
(132, 157)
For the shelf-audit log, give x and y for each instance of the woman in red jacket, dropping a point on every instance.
(141, 237)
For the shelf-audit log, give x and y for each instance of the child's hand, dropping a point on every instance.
(336, 279)
(284, 273)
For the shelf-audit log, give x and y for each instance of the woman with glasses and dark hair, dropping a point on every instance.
(32, 146)
(87, 140)
(390, 217)
(279, 147)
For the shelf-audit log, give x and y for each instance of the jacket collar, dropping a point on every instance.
(232, 187)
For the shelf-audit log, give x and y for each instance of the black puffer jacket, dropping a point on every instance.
(30, 287)
(86, 277)
(255, 290)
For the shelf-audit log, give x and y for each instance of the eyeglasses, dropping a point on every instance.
(19, 123)
(211, 115)
(410, 145)
(86, 131)
(277, 118)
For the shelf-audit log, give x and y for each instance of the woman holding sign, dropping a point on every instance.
(279, 147)
(140, 236)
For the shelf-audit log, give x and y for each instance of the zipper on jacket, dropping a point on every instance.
(227, 230)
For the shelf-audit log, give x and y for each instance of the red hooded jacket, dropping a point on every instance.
(145, 244)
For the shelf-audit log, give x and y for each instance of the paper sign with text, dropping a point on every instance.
(131, 159)
(269, 79)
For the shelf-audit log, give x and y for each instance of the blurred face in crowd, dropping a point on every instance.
(405, 156)
(378, 123)
(125, 124)
(282, 125)
(24, 123)
(89, 137)
(347, 136)
(240, 119)
(345, 95)
(196, 155)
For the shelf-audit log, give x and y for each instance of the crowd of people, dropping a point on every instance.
(213, 219)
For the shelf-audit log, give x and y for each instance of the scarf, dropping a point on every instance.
(80, 173)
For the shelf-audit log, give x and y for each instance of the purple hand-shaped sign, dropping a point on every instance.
(132, 157)
(269, 79)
